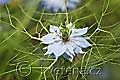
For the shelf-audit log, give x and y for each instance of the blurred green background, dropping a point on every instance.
(22, 58)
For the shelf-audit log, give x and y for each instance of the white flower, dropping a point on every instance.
(55, 5)
(67, 45)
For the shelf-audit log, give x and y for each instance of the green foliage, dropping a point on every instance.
(22, 54)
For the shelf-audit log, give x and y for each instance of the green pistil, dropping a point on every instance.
(65, 36)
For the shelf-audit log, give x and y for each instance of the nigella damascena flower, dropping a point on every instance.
(55, 5)
(3, 1)
(66, 41)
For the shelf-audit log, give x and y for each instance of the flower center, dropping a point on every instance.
(65, 39)
(65, 35)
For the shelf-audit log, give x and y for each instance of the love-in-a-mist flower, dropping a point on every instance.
(66, 41)
(55, 5)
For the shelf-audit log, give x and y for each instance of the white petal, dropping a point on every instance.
(81, 41)
(71, 5)
(70, 47)
(68, 56)
(54, 29)
(50, 38)
(50, 49)
(58, 48)
(63, 8)
(78, 50)
(55, 9)
(74, 1)
(78, 32)
(56, 5)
